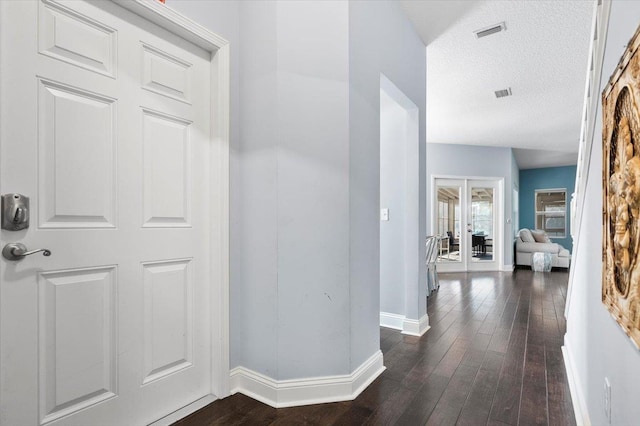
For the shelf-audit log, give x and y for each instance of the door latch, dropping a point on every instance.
(15, 212)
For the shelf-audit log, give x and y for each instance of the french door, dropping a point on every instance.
(105, 126)
(466, 215)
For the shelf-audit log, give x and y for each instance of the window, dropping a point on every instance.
(551, 212)
(443, 217)
(448, 213)
(482, 217)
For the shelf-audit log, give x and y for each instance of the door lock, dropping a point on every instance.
(15, 212)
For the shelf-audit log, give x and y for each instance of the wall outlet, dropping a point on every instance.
(384, 215)
(607, 400)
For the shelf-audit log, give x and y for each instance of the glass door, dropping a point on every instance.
(466, 214)
(448, 211)
(483, 233)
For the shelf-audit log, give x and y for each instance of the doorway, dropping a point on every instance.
(400, 241)
(467, 216)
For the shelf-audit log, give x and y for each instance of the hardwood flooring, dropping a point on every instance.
(492, 357)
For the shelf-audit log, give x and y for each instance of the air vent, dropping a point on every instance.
(503, 93)
(490, 30)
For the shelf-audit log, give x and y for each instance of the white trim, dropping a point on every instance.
(580, 407)
(416, 327)
(180, 25)
(507, 268)
(184, 411)
(317, 390)
(187, 29)
(390, 320)
(410, 327)
(599, 30)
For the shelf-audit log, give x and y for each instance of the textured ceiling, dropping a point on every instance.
(542, 57)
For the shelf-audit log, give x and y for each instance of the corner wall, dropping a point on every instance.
(381, 41)
(595, 346)
(305, 188)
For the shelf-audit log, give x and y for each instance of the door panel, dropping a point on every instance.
(168, 318)
(449, 206)
(106, 131)
(77, 345)
(77, 39)
(167, 170)
(74, 126)
(484, 236)
(482, 201)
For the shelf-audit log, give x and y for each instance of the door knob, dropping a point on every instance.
(18, 251)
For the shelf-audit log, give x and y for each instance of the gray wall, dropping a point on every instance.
(305, 176)
(393, 194)
(312, 189)
(393, 188)
(476, 161)
(596, 343)
(381, 40)
(294, 285)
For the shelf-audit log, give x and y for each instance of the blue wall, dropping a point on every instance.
(547, 178)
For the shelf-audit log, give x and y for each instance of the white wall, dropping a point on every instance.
(393, 194)
(476, 161)
(597, 347)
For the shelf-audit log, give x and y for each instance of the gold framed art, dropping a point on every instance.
(621, 192)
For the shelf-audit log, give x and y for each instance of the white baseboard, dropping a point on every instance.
(579, 404)
(407, 326)
(389, 320)
(317, 390)
(507, 268)
(184, 411)
(416, 327)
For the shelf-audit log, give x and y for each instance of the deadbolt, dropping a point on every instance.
(15, 212)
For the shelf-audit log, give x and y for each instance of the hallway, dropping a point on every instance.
(492, 357)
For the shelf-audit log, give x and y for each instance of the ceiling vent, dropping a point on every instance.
(490, 30)
(503, 93)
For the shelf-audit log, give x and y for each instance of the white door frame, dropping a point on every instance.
(499, 253)
(178, 24)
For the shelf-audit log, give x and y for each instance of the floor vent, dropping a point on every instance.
(503, 93)
(490, 30)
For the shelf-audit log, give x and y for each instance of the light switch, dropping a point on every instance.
(384, 215)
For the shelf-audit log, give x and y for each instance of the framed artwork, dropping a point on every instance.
(621, 192)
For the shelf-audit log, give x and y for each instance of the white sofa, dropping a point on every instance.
(529, 242)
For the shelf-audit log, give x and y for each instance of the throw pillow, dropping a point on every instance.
(526, 237)
(540, 236)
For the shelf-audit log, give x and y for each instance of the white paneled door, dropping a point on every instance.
(105, 125)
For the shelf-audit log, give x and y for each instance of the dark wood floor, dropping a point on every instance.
(491, 357)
